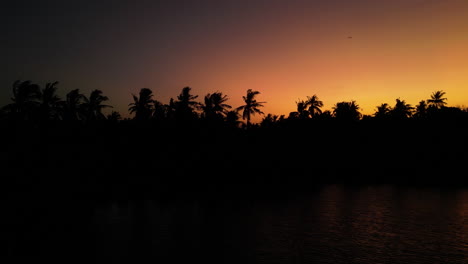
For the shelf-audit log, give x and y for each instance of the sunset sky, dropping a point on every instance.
(370, 51)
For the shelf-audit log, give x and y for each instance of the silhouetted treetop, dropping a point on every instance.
(346, 111)
(25, 99)
(401, 110)
(383, 111)
(420, 110)
(49, 108)
(94, 104)
(215, 107)
(73, 106)
(30, 102)
(314, 105)
(251, 106)
(437, 99)
(143, 105)
(185, 107)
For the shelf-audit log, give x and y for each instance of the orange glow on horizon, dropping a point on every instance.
(372, 52)
(407, 54)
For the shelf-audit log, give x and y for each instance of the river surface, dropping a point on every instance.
(329, 224)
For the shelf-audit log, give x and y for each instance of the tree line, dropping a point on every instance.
(73, 135)
(31, 102)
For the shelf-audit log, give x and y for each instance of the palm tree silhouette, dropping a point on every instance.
(302, 112)
(401, 110)
(49, 108)
(142, 106)
(346, 111)
(25, 100)
(314, 105)
(94, 105)
(437, 100)
(215, 107)
(72, 106)
(421, 110)
(185, 106)
(251, 106)
(383, 111)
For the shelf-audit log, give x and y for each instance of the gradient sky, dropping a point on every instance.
(370, 51)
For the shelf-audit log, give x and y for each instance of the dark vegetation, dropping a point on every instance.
(70, 145)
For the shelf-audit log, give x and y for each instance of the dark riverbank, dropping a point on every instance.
(146, 157)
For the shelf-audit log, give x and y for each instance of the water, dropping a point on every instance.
(329, 224)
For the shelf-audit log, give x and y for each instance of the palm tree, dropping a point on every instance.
(346, 111)
(25, 100)
(383, 111)
(142, 106)
(72, 106)
(251, 106)
(314, 105)
(94, 105)
(186, 105)
(215, 107)
(421, 110)
(401, 110)
(49, 102)
(437, 100)
(302, 112)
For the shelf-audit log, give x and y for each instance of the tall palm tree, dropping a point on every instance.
(251, 106)
(94, 105)
(72, 107)
(314, 105)
(215, 107)
(347, 111)
(142, 106)
(437, 99)
(25, 100)
(49, 102)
